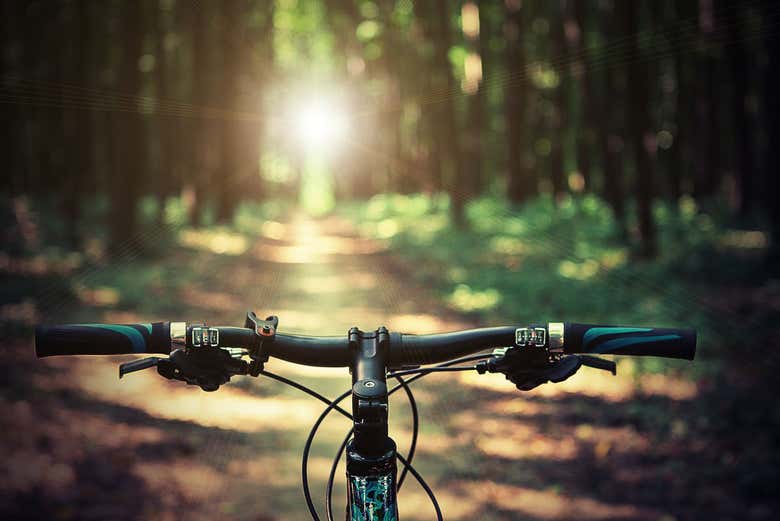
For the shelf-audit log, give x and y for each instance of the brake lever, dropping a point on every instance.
(532, 365)
(207, 364)
(138, 365)
(599, 363)
(207, 368)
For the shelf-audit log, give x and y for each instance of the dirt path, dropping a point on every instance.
(91, 447)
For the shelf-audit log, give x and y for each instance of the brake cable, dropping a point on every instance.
(332, 475)
(429, 370)
(418, 373)
(307, 448)
(425, 487)
(415, 427)
(340, 452)
(470, 358)
(305, 389)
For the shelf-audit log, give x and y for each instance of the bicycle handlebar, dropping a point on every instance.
(642, 341)
(405, 349)
(102, 339)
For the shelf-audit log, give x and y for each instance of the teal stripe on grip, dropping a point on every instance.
(619, 343)
(135, 337)
(596, 332)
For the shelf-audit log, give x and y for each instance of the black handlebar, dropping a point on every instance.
(440, 347)
(405, 349)
(636, 341)
(102, 339)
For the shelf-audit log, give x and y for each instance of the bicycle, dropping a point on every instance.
(209, 357)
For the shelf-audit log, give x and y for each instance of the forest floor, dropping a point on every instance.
(78, 443)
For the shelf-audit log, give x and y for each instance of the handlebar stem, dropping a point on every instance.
(371, 454)
(369, 389)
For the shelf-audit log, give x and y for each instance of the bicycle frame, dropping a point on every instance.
(371, 454)
(371, 489)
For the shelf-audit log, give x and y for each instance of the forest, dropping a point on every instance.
(115, 105)
(430, 165)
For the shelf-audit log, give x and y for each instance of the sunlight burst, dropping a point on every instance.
(320, 123)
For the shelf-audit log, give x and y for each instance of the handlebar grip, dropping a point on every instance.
(637, 341)
(102, 339)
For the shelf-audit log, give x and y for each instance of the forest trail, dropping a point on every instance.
(580, 449)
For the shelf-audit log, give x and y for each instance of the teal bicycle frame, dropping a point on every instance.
(371, 489)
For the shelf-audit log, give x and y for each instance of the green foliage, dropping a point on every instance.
(250, 217)
(298, 38)
(566, 262)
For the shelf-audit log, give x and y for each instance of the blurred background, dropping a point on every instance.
(428, 166)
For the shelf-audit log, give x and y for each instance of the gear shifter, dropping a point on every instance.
(530, 363)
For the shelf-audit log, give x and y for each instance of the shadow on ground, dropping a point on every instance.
(79, 444)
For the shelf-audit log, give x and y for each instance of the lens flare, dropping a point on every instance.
(320, 123)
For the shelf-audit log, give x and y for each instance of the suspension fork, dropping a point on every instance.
(371, 454)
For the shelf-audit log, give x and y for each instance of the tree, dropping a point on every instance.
(447, 135)
(343, 17)
(521, 184)
(128, 133)
(77, 122)
(609, 125)
(199, 170)
(684, 101)
(577, 26)
(474, 132)
(232, 138)
(431, 89)
(11, 15)
(165, 171)
(559, 113)
(640, 130)
(743, 131)
(707, 177)
(772, 112)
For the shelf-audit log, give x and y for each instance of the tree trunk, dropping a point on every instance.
(744, 165)
(430, 82)
(708, 165)
(199, 168)
(610, 128)
(11, 145)
(447, 128)
(128, 134)
(53, 148)
(86, 118)
(233, 57)
(521, 184)
(36, 168)
(390, 69)
(772, 173)
(586, 131)
(640, 131)
(77, 122)
(165, 176)
(63, 141)
(474, 133)
(560, 113)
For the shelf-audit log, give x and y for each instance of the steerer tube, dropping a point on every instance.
(371, 454)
